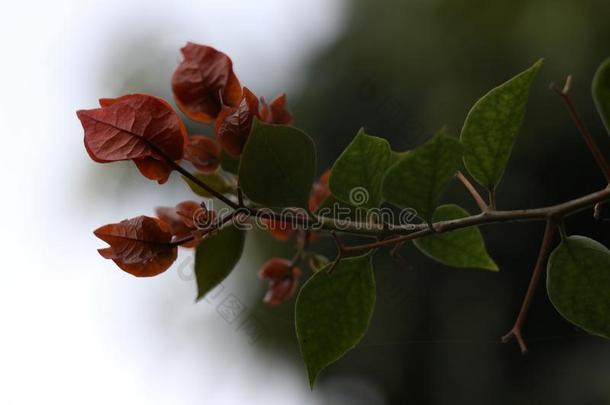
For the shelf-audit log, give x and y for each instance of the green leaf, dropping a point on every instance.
(578, 283)
(460, 248)
(417, 181)
(357, 175)
(214, 180)
(492, 125)
(277, 166)
(228, 163)
(333, 312)
(216, 256)
(397, 156)
(601, 92)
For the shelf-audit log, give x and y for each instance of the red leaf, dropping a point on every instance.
(203, 82)
(320, 191)
(136, 127)
(153, 169)
(276, 112)
(283, 280)
(234, 123)
(281, 231)
(140, 246)
(185, 218)
(203, 153)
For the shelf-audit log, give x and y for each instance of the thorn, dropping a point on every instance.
(597, 210)
(240, 197)
(401, 263)
(567, 86)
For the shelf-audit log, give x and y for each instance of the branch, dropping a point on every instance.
(584, 131)
(545, 213)
(409, 231)
(545, 248)
(402, 233)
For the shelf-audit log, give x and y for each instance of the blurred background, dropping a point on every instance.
(75, 329)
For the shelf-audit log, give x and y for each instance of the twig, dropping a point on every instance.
(395, 250)
(545, 248)
(399, 259)
(201, 184)
(584, 131)
(398, 234)
(490, 217)
(472, 190)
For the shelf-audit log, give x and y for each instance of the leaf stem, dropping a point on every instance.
(301, 248)
(341, 252)
(472, 190)
(181, 241)
(200, 183)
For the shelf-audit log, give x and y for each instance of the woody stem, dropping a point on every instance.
(545, 248)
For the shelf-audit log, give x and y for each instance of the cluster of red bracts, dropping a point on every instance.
(146, 246)
(146, 130)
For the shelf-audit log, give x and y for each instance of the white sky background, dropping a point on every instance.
(74, 329)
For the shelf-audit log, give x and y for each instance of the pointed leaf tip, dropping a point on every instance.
(418, 180)
(216, 256)
(492, 125)
(600, 88)
(459, 248)
(357, 175)
(333, 312)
